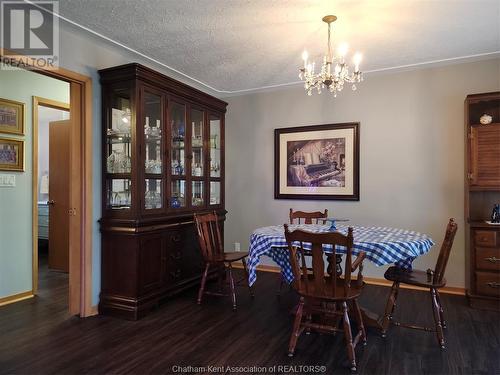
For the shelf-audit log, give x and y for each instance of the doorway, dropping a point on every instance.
(52, 125)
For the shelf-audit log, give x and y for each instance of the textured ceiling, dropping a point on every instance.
(235, 45)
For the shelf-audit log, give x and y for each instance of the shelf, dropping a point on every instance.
(478, 124)
(482, 224)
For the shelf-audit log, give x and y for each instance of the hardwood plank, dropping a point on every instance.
(39, 336)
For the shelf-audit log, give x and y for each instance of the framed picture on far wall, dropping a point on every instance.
(11, 117)
(11, 155)
(317, 162)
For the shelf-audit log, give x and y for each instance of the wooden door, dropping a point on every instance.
(59, 159)
(485, 156)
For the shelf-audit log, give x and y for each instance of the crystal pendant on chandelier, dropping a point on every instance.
(334, 71)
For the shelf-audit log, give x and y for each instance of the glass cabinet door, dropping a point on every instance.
(178, 145)
(215, 146)
(215, 151)
(197, 136)
(153, 165)
(118, 153)
(178, 187)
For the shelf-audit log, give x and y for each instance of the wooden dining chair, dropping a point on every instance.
(301, 217)
(432, 279)
(212, 249)
(322, 296)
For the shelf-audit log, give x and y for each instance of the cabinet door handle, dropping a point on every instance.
(493, 284)
(175, 274)
(175, 238)
(492, 259)
(175, 256)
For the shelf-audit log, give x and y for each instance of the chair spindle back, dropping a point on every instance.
(321, 282)
(444, 253)
(308, 217)
(209, 237)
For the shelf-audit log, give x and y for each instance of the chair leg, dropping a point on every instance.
(296, 328)
(220, 277)
(247, 277)
(389, 308)
(278, 292)
(441, 312)
(203, 282)
(348, 338)
(437, 319)
(359, 320)
(231, 284)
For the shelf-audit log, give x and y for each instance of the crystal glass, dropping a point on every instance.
(197, 142)
(152, 133)
(118, 194)
(118, 135)
(118, 161)
(197, 193)
(178, 125)
(215, 146)
(153, 195)
(215, 192)
(178, 194)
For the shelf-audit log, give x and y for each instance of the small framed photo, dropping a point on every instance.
(11, 155)
(11, 117)
(317, 162)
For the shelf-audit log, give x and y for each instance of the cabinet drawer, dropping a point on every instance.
(488, 283)
(486, 238)
(488, 259)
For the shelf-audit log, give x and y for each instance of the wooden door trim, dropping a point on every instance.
(81, 190)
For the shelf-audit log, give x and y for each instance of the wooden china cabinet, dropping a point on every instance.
(482, 192)
(163, 160)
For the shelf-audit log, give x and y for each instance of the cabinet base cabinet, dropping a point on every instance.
(484, 292)
(140, 270)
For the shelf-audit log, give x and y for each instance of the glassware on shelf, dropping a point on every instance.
(214, 192)
(119, 196)
(178, 193)
(153, 166)
(197, 193)
(118, 162)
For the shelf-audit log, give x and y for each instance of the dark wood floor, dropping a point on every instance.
(38, 337)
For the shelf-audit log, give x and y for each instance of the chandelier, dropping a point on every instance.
(334, 71)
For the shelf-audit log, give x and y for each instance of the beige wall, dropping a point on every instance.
(411, 154)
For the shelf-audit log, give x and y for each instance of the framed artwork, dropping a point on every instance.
(317, 162)
(11, 155)
(11, 117)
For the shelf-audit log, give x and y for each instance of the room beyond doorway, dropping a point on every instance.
(51, 128)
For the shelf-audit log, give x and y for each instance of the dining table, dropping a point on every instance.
(382, 245)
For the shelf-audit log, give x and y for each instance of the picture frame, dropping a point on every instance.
(12, 117)
(317, 162)
(11, 155)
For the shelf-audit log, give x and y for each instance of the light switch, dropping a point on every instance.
(7, 180)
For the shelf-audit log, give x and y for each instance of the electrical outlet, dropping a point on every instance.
(237, 246)
(7, 180)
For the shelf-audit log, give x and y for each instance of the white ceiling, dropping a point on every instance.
(238, 45)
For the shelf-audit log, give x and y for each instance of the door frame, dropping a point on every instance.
(80, 189)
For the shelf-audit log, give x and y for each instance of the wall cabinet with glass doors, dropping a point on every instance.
(163, 160)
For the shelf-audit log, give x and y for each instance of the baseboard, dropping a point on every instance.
(94, 310)
(371, 281)
(16, 298)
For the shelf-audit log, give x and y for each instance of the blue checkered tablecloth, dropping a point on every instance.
(382, 246)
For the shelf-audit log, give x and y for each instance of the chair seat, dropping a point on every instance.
(354, 291)
(412, 277)
(234, 256)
